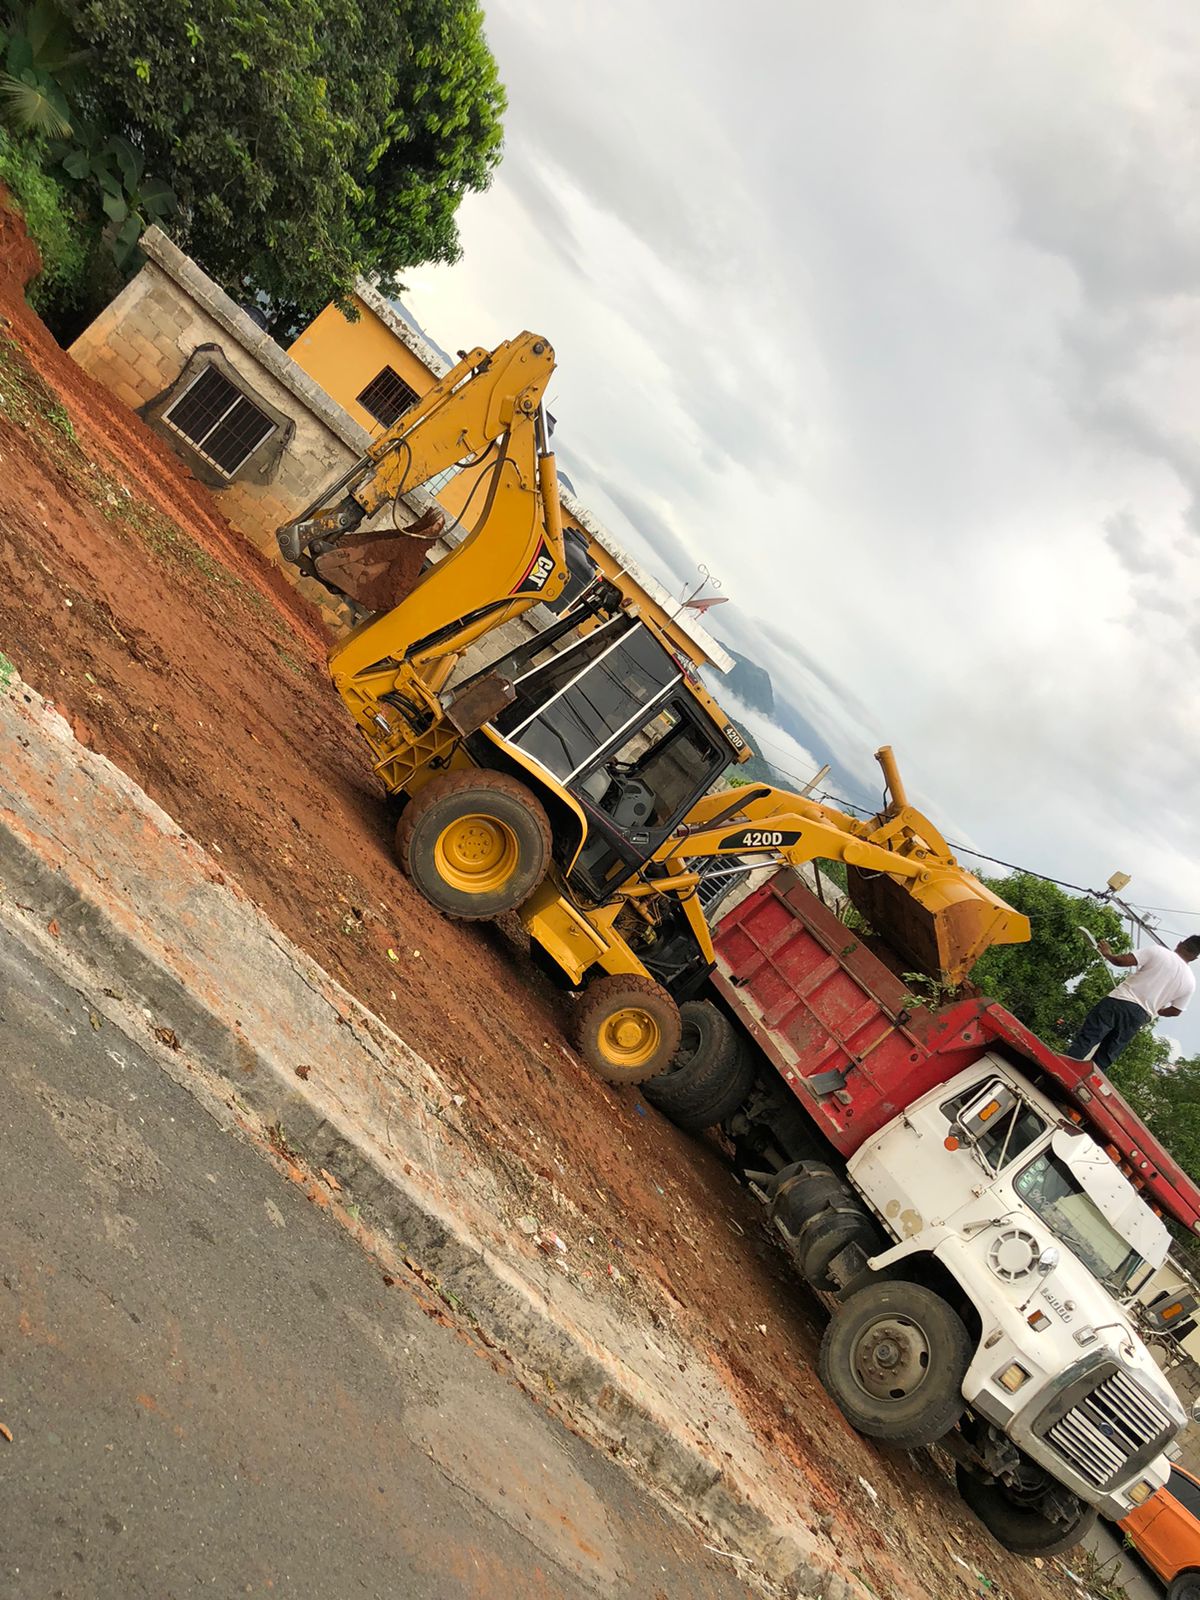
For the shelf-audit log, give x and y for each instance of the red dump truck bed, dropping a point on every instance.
(856, 1047)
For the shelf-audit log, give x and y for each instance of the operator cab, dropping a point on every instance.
(612, 719)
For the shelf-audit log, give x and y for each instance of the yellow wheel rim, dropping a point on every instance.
(476, 854)
(629, 1037)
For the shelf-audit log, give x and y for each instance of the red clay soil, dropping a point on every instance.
(185, 657)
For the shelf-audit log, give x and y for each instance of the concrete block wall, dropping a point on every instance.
(139, 346)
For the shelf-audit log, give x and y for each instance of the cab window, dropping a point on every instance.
(563, 723)
(1013, 1134)
(1185, 1491)
(668, 761)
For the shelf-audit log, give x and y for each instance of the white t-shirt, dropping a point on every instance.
(1162, 979)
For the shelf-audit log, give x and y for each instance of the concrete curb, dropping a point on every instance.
(144, 921)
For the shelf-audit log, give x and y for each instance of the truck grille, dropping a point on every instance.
(1109, 1427)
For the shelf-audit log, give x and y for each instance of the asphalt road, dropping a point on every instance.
(211, 1391)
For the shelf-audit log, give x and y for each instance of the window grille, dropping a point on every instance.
(218, 421)
(388, 397)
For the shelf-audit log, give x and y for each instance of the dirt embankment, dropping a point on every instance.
(185, 657)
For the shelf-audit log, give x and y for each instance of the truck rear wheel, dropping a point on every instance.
(626, 1028)
(1017, 1523)
(475, 843)
(712, 1072)
(894, 1357)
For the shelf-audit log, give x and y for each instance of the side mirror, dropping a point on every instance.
(1194, 1410)
(986, 1110)
(1048, 1260)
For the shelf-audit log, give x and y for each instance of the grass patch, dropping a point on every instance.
(290, 662)
(27, 403)
(54, 222)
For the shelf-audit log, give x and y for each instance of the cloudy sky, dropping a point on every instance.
(890, 316)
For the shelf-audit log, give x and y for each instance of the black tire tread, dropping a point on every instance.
(1019, 1528)
(945, 1404)
(710, 1086)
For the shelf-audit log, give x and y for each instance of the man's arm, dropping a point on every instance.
(1125, 959)
(1171, 1011)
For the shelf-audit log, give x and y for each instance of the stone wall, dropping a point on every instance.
(164, 327)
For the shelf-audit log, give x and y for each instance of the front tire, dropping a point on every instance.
(894, 1357)
(626, 1028)
(475, 843)
(1020, 1527)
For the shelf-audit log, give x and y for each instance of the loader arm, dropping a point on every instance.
(902, 873)
(487, 408)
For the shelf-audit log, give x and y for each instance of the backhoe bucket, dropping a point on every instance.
(376, 569)
(942, 927)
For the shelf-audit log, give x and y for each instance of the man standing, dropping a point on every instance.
(1160, 987)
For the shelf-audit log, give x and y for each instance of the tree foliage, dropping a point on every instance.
(1052, 982)
(297, 143)
(52, 220)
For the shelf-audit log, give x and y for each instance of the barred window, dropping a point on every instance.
(218, 421)
(388, 397)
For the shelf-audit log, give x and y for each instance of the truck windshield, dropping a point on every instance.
(1049, 1186)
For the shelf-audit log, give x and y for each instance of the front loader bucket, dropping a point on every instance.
(941, 927)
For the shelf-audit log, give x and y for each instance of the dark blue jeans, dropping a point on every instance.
(1111, 1024)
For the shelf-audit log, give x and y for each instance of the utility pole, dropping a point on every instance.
(1137, 923)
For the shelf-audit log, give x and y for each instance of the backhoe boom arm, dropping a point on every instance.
(936, 913)
(489, 409)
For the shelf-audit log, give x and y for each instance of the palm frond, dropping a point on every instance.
(31, 109)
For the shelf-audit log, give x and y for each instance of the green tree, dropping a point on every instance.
(1053, 981)
(302, 142)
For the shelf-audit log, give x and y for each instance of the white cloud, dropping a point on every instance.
(891, 316)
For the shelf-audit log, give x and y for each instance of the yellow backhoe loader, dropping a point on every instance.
(571, 780)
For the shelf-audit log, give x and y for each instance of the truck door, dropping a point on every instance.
(916, 1171)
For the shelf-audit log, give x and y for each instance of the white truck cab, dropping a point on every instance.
(1048, 1243)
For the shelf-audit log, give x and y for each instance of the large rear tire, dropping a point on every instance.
(712, 1072)
(626, 1028)
(894, 1357)
(1021, 1527)
(475, 843)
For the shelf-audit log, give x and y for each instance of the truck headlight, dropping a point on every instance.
(1141, 1491)
(1012, 1377)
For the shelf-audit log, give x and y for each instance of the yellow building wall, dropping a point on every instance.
(344, 355)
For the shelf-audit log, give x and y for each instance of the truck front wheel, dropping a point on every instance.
(1015, 1520)
(894, 1357)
